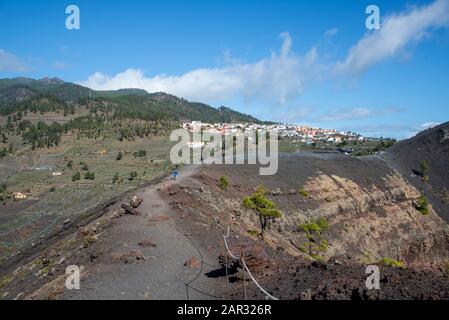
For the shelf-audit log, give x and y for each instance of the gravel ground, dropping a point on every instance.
(162, 274)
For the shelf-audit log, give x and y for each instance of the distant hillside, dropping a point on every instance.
(431, 146)
(21, 93)
(41, 112)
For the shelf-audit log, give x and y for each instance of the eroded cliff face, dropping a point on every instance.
(368, 219)
(374, 222)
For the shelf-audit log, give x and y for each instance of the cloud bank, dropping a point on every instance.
(278, 78)
(283, 76)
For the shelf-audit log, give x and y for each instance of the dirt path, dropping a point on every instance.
(162, 275)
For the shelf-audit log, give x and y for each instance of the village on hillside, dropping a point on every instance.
(303, 134)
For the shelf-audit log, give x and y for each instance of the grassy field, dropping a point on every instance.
(55, 199)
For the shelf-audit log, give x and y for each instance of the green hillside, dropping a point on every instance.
(41, 111)
(20, 94)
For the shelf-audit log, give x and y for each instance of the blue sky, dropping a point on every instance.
(305, 62)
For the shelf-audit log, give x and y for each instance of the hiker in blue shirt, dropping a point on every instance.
(175, 173)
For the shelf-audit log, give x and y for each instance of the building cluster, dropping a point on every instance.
(304, 134)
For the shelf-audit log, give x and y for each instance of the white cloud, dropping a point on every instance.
(428, 125)
(9, 62)
(419, 128)
(331, 32)
(277, 78)
(282, 77)
(397, 31)
(340, 114)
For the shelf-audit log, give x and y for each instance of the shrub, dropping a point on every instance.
(53, 189)
(223, 183)
(70, 164)
(76, 176)
(85, 167)
(140, 154)
(119, 156)
(266, 209)
(423, 205)
(247, 203)
(424, 167)
(303, 192)
(314, 230)
(11, 148)
(392, 263)
(318, 225)
(89, 240)
(253, 233)
(89, 175)
(133, 175)
(116, 178)
(3, 153)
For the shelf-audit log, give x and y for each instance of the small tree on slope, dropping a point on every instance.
(266, 209)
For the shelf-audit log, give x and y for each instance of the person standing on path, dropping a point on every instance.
(175, 173)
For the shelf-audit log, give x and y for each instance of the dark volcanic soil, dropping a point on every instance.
(357, 229)
(433, 146)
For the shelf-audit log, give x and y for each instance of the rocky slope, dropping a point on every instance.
(431, 146)
(372, 215)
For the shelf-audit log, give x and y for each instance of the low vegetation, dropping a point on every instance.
(4, 193)
(424, 168)
(381, 146)
(422, 205)
(133, 175)
(116, 178)
(6, 151)
(76, 176)
(88, 241)
(223, 183)
(392, 263)
(89, 175)
(265, 208)
(253, 233)
(303, 192)
(140, 154)
(314, 231)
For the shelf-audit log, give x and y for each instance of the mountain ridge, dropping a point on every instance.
(17, 91)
